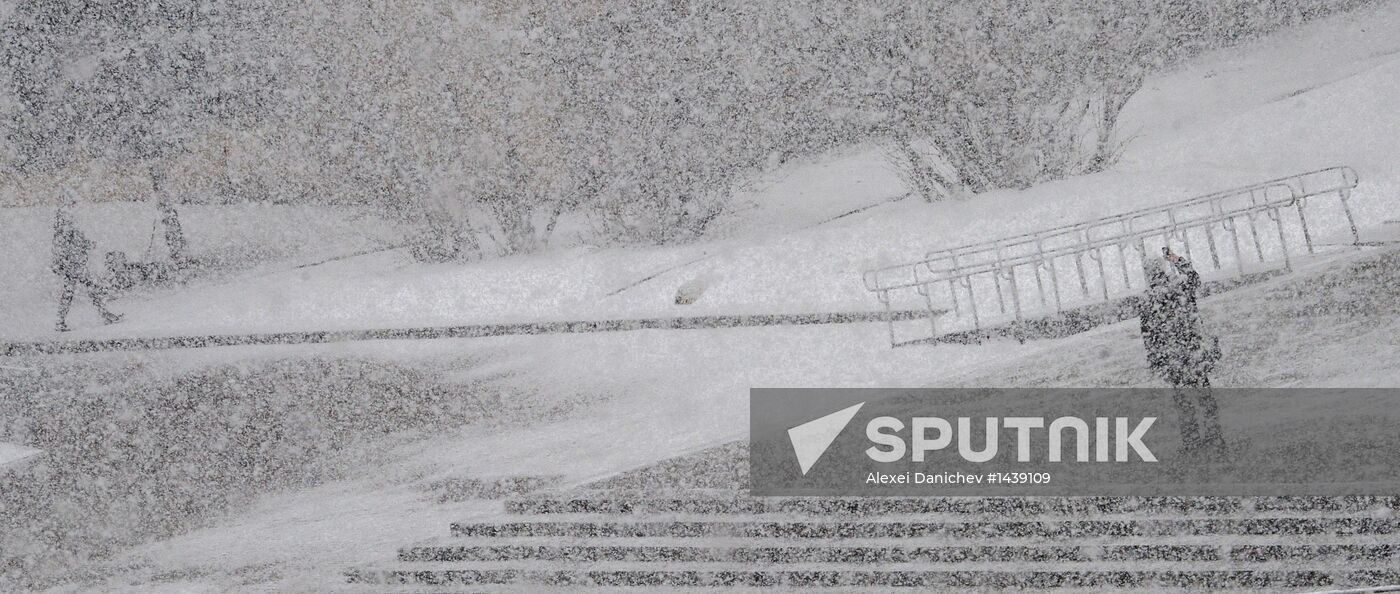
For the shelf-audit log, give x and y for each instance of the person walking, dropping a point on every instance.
(70, 263)
(1177, 349)
(170, 219)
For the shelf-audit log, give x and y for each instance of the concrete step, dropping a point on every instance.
(368, 588)
(1222, 577)
(951, 518)
(909, 529)
(459, 489)
(998, 506)
(936, 540)
(866, 555)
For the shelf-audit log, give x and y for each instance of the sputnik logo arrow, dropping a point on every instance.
(811, 439)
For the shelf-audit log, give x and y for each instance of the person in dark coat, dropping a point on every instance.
(1177, 349)
(70, 262)
(170, 219)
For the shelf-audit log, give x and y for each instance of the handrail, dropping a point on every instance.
(954, 271)
(944, 274)
(994, 264)
(1347, 174)
(1022, 260)
(1300, 191)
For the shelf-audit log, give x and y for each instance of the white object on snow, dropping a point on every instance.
(12, 455)
(689, 292)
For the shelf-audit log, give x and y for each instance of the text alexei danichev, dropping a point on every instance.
(955, 478)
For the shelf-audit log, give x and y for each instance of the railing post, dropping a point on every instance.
(1054, 283)
(1277, 218)
(1123, 259)
(996, 278)
(1345, 194)
(928, 300)
(1210, 235)
(1142, 258)
(1303, 220)
(1079, 264)
(1039, 261)
(889, 315)
(1001, 298)
(953, 295)
(972, 302)
(1229, 224)
(1097, 256)
(1254, 232)
(1015, 290)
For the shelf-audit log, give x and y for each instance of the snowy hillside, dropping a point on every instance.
(1264, 110)
(1325, 94)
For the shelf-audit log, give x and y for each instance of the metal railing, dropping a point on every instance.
(954, 284)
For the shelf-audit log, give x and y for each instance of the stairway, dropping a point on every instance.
(720, 540)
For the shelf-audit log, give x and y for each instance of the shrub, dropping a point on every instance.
(127, 460)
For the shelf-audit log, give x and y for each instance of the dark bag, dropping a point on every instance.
(124, 274)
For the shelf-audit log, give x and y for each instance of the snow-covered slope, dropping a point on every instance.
(661, 394)
(658, 394)
(241, 242)
(1322, 95)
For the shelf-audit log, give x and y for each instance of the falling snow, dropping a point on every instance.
(343, 294)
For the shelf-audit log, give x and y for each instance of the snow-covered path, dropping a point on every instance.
(711, 322)
(651, 394)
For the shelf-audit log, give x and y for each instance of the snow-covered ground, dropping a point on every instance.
(665, 393)
(1322, 95)
(242, 243)
(1301, 100)
(15, 454)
